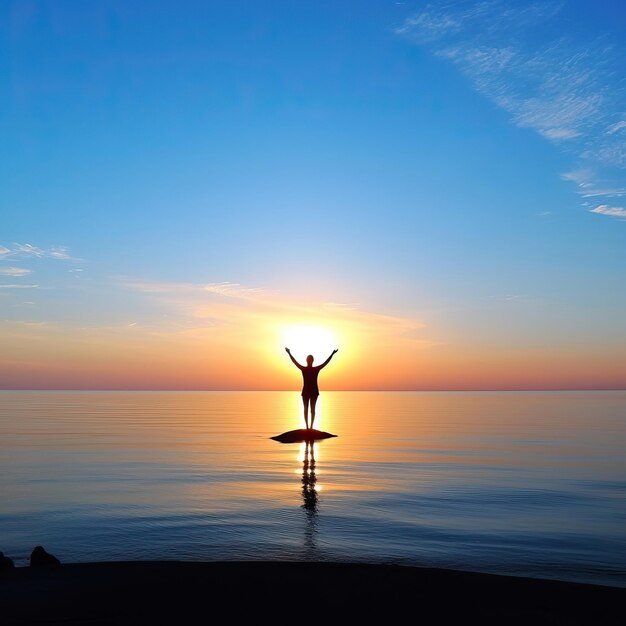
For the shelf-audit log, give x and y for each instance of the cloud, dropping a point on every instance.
(429, 26)
(27, 250)
(552, 91)
(14, 271)
(616, 127)
(612, 193)
(233, 290)
(59, 252)
(508, 297)
(583, 179)
(154, 286)
(559, 133)
(563, 88)
(18, 286)
(613, 211)
(201, 293)
(440, 20)
(227, 289)
(237, 307)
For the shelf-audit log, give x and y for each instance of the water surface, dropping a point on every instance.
(530, 483)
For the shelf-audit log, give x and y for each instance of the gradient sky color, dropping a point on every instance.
(441, 186)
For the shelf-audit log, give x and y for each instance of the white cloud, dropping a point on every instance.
(226, 288)
(59, 252)
(14, 271)
(565, 89)
(425, 27)
(232, 290)
(439, 20)
(551, 91)
(18, 286)
(27, 250)
(612, 193)
(611, 154)
(613, 211)
(559, 133)
(580, 177)
(588, 189)
(616, 127)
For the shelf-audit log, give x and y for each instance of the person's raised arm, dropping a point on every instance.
(327, 361)
(288, 351)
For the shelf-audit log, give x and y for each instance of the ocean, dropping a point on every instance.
(515, 483)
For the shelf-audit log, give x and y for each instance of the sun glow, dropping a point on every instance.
(303, 340)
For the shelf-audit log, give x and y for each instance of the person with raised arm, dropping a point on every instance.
(310, 390)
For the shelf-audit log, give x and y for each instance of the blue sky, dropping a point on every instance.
(459, 164)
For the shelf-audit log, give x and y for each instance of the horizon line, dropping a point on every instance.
(231, 390)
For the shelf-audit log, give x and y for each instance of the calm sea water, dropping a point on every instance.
(529, 483)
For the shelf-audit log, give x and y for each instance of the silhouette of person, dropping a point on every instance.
(310, 390)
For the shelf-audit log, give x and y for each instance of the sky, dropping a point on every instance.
(437, 189)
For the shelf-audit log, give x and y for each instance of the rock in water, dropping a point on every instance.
(40, 558)
(302, 434)
(6, 562)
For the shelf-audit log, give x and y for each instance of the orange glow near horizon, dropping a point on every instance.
(239, 344)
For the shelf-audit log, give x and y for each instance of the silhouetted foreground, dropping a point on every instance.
(302, 434)
(186, 592)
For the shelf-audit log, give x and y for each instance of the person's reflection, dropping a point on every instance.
(309, 495)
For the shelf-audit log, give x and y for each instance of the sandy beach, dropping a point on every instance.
(190, 592)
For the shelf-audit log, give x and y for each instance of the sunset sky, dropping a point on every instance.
(437, 189)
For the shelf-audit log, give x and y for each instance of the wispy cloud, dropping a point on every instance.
(27, 250)
(614, 128)
(614, 211)
(233, 290)
(60, 252)
(508, 297)
(586, 187)
(563, 89)
(611, 193)
(14, 271)
(227, 289)
(236, 306)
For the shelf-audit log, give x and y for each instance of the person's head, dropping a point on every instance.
(309, 360)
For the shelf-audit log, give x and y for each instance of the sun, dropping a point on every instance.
(305, 339)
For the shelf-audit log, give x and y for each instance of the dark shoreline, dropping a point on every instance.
(149, 592)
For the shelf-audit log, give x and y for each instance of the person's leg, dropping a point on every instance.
(305, 402)
(313, 401)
